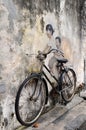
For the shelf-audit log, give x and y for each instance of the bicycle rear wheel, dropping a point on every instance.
(30, 100)
(68, 85)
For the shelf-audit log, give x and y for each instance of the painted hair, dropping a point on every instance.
(59, 39)
(50, 28)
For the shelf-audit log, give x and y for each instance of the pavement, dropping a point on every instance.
(69, 117)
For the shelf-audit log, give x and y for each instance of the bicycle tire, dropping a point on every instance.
(65, 76)
(42, 94)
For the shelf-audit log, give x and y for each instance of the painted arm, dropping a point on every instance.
(47, 49)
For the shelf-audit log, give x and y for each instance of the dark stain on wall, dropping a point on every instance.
(36, 7)
(83, 19)
(42, 24)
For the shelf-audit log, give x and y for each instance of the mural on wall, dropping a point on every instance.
(22, 34)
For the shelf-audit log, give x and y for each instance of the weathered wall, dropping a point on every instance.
(83, 34)
(22, 32)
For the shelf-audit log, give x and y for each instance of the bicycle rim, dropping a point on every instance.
(68, 85)
(30, 101)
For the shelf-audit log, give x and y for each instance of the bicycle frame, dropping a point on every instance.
(44, 74)
(62, 69)
(57, 80)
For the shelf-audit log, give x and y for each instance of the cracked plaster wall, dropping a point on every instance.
(22, 32)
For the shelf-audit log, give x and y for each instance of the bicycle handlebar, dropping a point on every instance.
(42, 56)
(57, 50)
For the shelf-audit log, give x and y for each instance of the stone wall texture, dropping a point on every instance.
(22, 34)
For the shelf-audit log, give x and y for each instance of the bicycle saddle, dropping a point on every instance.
(62, 60)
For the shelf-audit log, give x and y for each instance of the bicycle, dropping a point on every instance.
(32, 95)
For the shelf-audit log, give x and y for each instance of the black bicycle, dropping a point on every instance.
(33, 93)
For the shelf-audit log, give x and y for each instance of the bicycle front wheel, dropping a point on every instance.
(30, 100)
(68, 85)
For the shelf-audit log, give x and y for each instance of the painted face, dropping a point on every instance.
(49, 33)
(57, 43)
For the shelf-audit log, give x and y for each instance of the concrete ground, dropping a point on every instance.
(70, 117)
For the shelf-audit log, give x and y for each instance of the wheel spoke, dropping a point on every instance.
(68, 85)
(31, 101)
